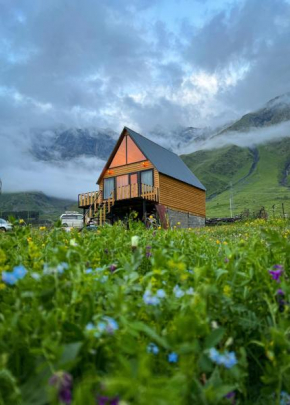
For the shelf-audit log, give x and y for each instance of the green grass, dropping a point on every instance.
(218, 168)
(81, 311)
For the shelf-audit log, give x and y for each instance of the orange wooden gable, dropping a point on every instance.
(125, 152)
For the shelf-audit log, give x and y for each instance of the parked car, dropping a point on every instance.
(5, 225)
(72, 219)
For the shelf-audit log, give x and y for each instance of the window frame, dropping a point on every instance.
(108, 178)
(129, 175)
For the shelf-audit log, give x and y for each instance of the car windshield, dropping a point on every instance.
(78, 217)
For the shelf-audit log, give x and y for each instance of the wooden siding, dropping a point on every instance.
(181, 196)
(131, 168)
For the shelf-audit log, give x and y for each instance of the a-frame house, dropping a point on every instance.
(142, 176)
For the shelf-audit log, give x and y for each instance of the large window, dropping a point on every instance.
(147, 177)
(109, 187)
(122, 180)
(128, 152)
(120, 156)
(134, 154)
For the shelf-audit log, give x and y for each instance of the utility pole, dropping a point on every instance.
(231, 199)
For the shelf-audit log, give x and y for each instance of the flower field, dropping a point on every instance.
(134, 316)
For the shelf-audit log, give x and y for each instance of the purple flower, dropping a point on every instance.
(280, 292)
(103, 400)
(276, 274)
(226, 260)
(113, 267)
(62, 381)
(231, 397)
(148, 251)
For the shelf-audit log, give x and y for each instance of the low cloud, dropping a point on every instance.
(255, 136)
(19, 172)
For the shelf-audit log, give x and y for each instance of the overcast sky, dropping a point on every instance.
(141, 63)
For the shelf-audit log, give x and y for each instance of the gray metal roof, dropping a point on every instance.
(166, 162)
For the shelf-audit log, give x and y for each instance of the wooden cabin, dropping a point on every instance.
(144, 177)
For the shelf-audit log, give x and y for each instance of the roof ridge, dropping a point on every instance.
(155, 143)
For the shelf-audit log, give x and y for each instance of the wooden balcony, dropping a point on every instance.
(137, 190)
(121, 193)
(87, 199)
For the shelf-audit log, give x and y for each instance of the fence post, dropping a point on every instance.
(283, 211)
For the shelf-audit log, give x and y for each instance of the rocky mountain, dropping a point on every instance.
(273, 112)
(254, 176)
(63, 145)
(57, 145)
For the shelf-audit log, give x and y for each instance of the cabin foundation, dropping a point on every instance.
(186, 219)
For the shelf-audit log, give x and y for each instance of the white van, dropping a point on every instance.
(72, 219)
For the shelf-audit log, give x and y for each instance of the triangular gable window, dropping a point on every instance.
(128, 152)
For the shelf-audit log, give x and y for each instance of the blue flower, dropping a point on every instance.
(90, 326)
(178, 291)
(173, 357)
(215, 356)
(61, 267)
(150, 299)
(8, 277)
(160, 293)
(101, 326)
(19, 272)
(112, 325)
(89, 271)
(284, 398)
(190, 291)
(152, 348)
(229, 359)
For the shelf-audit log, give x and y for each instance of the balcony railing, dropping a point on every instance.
(136, 190)
(87, 199)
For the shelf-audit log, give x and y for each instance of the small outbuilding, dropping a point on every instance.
(144, 177)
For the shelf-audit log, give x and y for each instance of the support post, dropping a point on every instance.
(144, 211)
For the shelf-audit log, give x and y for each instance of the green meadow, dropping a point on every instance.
(128, 315)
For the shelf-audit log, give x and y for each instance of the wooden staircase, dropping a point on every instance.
(95, 208)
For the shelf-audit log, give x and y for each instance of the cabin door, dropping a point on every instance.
(134, 185)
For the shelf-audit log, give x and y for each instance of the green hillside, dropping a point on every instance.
(259, 177)
(48, 207)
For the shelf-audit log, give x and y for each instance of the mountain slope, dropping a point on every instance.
(259, 177)
(48, 207)
(274, 112)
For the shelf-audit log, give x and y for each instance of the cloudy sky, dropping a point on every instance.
(141, 63)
